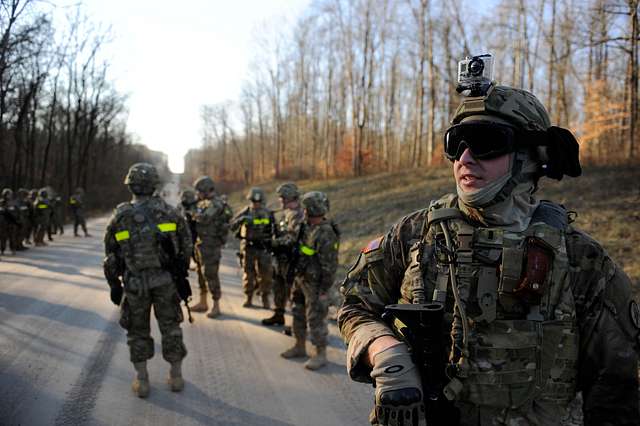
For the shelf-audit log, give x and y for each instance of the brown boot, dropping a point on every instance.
(175, 380)
(317, 361)
(202, 305)
(298, 350)
(140, 385)
(215, 310)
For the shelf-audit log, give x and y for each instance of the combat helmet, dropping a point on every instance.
(188, 196)
(43, 193)
(204, 184)
(256, 195)
(316, 203)
(23, 193)
(79, 190)
(142, 178)
(288, 191)
(555, 147)
(7, 193)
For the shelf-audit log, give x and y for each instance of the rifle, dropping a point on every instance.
(294, 257)
(420, 326)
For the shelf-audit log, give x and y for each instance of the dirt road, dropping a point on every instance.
(64, 359)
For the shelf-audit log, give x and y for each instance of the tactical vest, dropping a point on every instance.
(139, 233)
(257, 226)
(212, 219)
(514, 288)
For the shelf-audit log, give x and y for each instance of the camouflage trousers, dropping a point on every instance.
(202, 282)
(41, 228)
(209, 255)
(257, 271)
(308, 309)
(281, 289)
(135, 316)
(78, 220)
(9, 234)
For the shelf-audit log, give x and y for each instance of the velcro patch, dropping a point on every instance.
(373, 245)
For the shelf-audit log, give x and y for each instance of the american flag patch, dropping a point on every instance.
(373, 245)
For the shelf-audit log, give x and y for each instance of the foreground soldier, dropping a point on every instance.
(42, 216)
(315, 272)
(212, 217)
(9, 224)
(255, 227)
(539, 310)
(145, 241)
(76, 201)
(283, 244)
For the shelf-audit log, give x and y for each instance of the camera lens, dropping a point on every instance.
(476, 67)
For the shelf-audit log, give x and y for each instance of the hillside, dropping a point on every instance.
(607, 200)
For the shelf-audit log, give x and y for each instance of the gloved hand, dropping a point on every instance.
(184, 289)
(116, 294)
(398, 389)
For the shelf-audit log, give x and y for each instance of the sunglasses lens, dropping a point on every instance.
(484, 140)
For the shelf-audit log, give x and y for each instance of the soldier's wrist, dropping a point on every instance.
(380, 344)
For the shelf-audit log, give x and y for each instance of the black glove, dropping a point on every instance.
(183, 288)
(398, 389)
(116, 294)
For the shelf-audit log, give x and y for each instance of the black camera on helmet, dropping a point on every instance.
(475, 75)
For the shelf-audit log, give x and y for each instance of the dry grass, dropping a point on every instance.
(607, 200)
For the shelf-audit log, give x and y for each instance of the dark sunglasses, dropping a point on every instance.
(485, 140)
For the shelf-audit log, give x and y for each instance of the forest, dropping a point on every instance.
(355, 87)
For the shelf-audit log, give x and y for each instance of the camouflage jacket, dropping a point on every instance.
(9, 212)
(138, 241)
(212, 220)
(254, 226)
(42, 210)
(288, 227)
(76, 201)
(319, 247)
(594, 300)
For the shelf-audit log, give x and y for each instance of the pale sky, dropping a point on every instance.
(172, 57)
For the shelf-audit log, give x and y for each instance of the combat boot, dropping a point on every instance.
(317, 361)
(215, 310)
(276, 319)
(202, 305)
(265, 301)
(296, 351)
(175, 380)
(140, 385)
(248, 302)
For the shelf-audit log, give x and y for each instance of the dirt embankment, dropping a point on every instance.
(607, 200)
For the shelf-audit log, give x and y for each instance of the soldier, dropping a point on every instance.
(286, 236)
(9, 222)
(26, 215)
(42, 216)
(535, 310)
(57, 220)
(212, 217)
(76, 201)
(31, 225)
(255, 227)
(145, 241)
(314, 275)
(187, 208)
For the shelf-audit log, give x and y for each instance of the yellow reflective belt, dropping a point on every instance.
(72, 201)
(43, 206)
(307, 250)
(167, 227)
(122, 235)
(259, 221)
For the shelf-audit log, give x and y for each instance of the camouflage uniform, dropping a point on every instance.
(42, 217)
(315, 273)
(31, 225)
(212, 217)
(9, 221)
(26, 215)
(136, 254)
(76, 201)
(255, 227)
(287, 233)
(548, 313)
(57, 220)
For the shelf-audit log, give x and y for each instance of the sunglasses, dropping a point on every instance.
(484, 140)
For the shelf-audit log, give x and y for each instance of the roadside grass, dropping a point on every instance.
(606, 198)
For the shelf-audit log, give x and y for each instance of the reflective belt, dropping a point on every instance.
(43, 206)
(72, 201)
(259, 221)
(167, 227)
(122, 235)
(308, 251)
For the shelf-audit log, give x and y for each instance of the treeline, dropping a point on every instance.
(62, 122)
(359, 86)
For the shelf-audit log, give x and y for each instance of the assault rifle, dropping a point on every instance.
(294, 257)
(420, 327)
(179, 271)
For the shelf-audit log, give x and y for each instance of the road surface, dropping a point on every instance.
(64, 359)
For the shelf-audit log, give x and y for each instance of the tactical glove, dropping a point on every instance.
(116, 294)
(398, 389)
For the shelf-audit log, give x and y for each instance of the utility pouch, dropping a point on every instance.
(538, 261)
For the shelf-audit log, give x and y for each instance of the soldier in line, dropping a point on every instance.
(9, 222)
(535, 309)
(212, 217)
(31, 226)
(254, 226)
(42, 215)
(144, 239)
(187, 208)
(314, 276)
(76, 202)
(26, 216)
(287, 232)
(57, 218)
